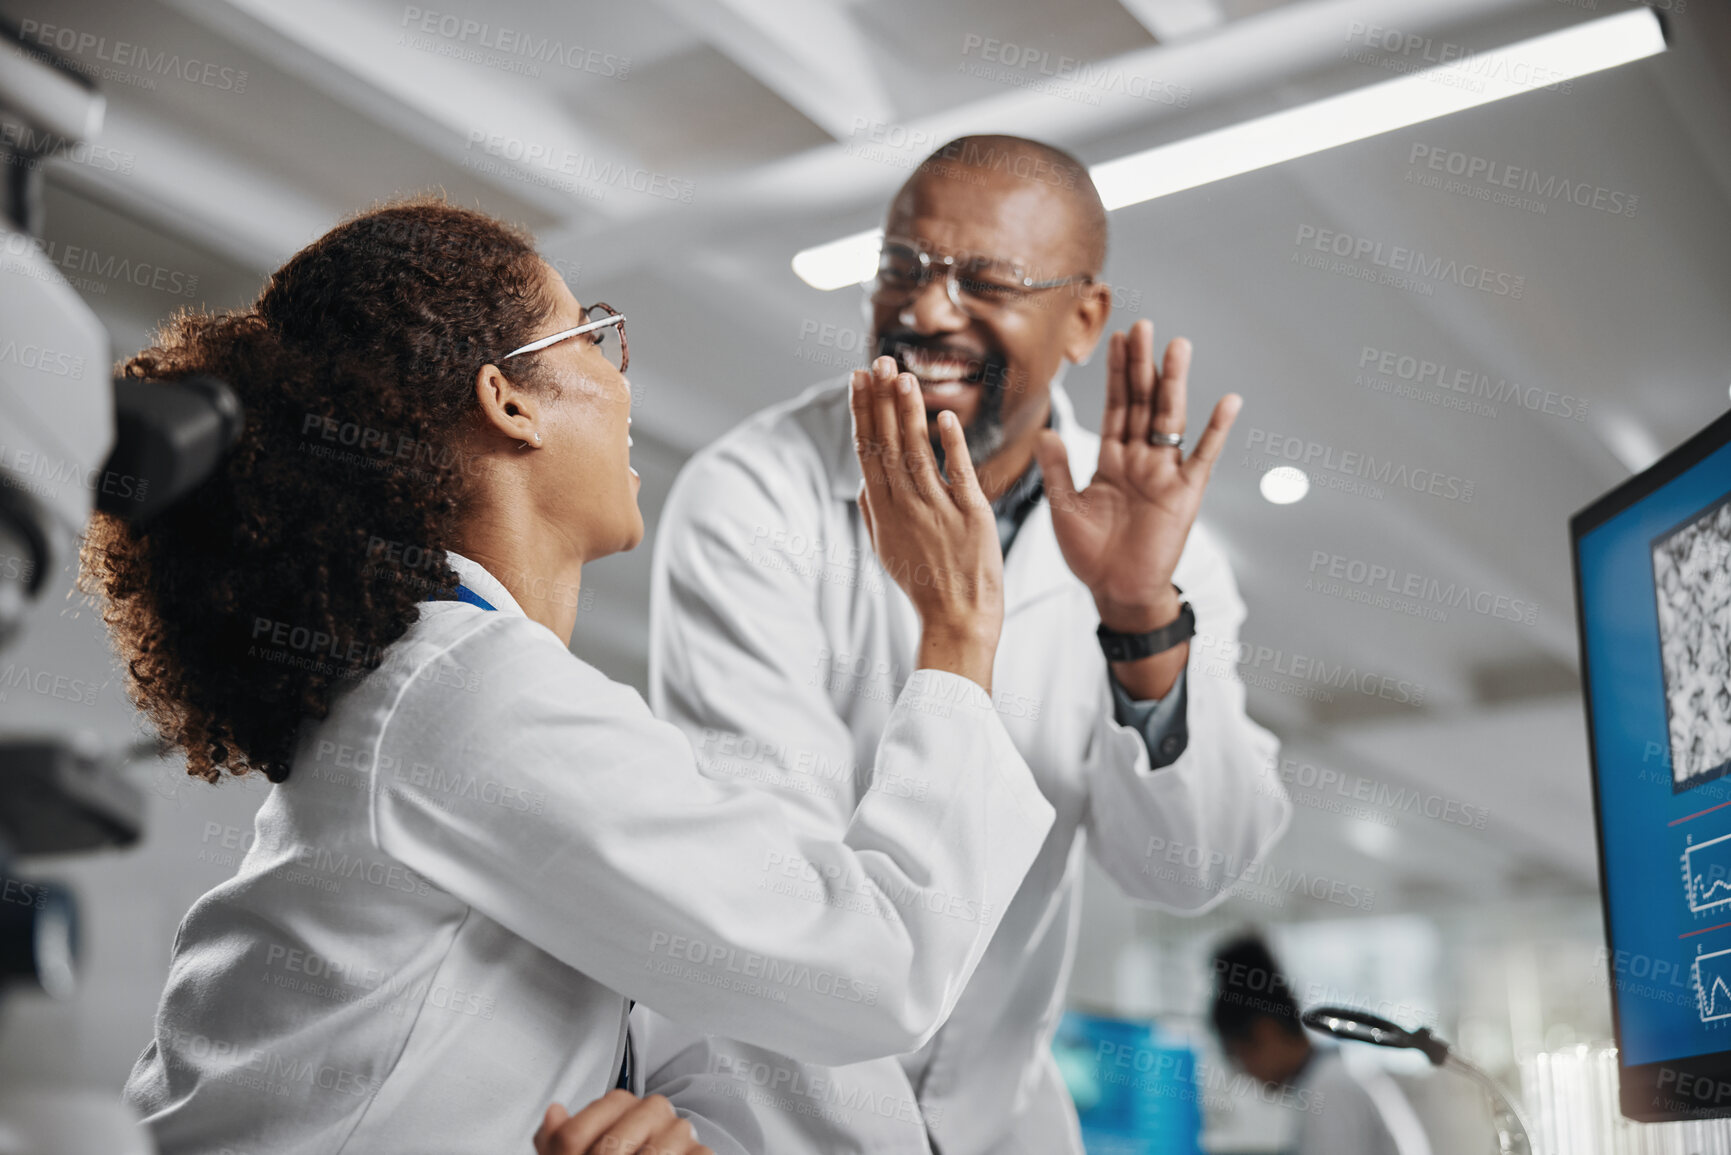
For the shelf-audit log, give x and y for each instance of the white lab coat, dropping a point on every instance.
(777, 642)
(1353, 1114)
(488, 846)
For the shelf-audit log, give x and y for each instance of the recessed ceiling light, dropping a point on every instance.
(1285, 484)
(1372, 838)
(1628, 439)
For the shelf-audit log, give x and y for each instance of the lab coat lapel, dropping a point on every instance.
(1035, 565)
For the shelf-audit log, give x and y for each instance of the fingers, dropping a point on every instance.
(1213, 440)
(677, 1138)
(1055, 470)
(1139, 376)
(885, 384)
(866, 443)
(964, 487)
(550, 1122)
(573, 1135)
(916, 438)
(1115, 420)
(1170, 401)
(636, 1132)
(619, 1123)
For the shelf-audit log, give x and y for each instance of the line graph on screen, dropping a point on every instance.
(1712, 979)
(1707, 874)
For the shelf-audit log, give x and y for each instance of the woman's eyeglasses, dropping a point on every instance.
(602, 324)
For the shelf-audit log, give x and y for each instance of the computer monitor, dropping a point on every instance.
(1653, 606)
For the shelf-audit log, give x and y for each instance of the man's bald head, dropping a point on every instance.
(982, 346)
(1015, 162)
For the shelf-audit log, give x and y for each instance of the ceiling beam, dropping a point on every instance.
(182, 184)
(808, 52)
(1172, 20)
(362, 58)
(1246, 56)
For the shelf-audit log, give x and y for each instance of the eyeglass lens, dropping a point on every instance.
(609, 339)
(980, 284)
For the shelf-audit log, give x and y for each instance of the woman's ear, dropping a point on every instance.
(506, 408)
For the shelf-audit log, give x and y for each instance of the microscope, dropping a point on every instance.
(72, 440)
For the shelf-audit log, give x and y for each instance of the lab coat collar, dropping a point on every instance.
(1035, 565)
(474, 575)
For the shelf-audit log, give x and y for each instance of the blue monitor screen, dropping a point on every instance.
(1655, 593)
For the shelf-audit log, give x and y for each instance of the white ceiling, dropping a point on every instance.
(766, 110)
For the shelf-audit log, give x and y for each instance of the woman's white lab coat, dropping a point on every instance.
(778, 643)
(488, 846)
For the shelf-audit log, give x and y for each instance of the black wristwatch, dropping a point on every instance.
(1134, 647)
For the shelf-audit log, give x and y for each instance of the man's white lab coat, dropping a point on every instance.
(488, 846)
(1355, 1113)
(778, 643)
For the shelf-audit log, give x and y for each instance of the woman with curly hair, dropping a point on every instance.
(477, 848)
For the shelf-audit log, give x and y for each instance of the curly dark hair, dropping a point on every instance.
(243, 609)
(1249, 985)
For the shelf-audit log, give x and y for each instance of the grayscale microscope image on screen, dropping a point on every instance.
(1692, 583)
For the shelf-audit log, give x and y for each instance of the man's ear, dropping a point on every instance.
(506, 407)
(1086, 323)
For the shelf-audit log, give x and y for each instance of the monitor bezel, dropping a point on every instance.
(1647, 1092)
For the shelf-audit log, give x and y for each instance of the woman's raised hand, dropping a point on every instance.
(936, 537)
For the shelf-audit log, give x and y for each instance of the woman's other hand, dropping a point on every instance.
(618, 1123)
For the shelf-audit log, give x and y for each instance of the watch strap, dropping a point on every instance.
(1121, 647)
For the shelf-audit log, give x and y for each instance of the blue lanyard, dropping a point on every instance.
(465, 594)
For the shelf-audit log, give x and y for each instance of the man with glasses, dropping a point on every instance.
(778, 643)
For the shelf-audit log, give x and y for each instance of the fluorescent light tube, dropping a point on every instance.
(1378, 108)
(840, 263)
(1468, 82)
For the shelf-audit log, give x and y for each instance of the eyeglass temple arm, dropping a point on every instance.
(587, 327)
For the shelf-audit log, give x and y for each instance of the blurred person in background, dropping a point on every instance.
(1257, 1022)
(777, 646)
(477, 848)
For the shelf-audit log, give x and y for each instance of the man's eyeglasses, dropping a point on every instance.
(981, 287)
(602, 324)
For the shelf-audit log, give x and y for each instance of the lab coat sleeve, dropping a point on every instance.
(590, 834)
(736, 1094)
(1180, 835)
(682, 1067)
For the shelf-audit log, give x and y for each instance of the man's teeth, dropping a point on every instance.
(936, 371)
